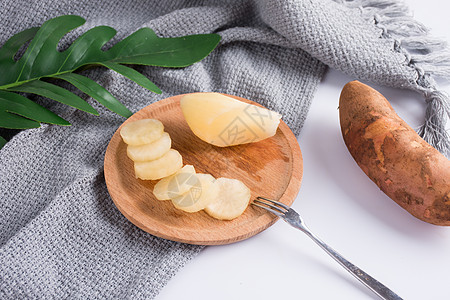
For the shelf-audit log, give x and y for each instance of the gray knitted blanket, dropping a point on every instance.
(61, 235)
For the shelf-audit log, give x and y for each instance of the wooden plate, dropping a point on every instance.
(271, 168)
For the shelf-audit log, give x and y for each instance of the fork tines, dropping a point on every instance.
(273, 206)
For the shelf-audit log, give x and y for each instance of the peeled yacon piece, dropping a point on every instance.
(224, 121)
(405, 167)
(159, 168)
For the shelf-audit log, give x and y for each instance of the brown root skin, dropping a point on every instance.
(405, 167)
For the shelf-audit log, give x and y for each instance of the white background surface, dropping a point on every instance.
(343, 207)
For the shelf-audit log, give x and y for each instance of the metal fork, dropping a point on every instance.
(293, 218)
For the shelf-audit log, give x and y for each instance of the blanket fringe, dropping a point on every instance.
(436, 63)
(438, 110)
(427, 55)
(426, 44)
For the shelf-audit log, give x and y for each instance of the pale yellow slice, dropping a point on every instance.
(232, 199)
(201, 194)
(176, 184)
(224, 121)
(150, 151)
(164, 166)
(142, 132)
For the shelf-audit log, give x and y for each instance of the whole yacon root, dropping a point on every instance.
(393, 155)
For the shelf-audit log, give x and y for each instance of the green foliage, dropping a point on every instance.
(41, 61)
(2, 142)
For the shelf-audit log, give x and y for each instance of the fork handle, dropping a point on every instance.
(377, 287)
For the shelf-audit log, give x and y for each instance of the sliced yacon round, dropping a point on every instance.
(176, 184)
(142, 132)
(232, 199)
(150, 151)
(159, 168)
(199, 195)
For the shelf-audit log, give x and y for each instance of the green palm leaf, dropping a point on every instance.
(96, 91)
(133, 75)
(11, 103)
(54, 92)
(42, 60)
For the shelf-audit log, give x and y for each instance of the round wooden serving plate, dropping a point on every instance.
(271, 168)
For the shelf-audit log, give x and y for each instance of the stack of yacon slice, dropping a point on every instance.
(150, 149)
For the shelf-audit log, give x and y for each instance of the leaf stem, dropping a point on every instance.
(17, 83)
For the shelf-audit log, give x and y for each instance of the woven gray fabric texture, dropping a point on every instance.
(60, 234)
